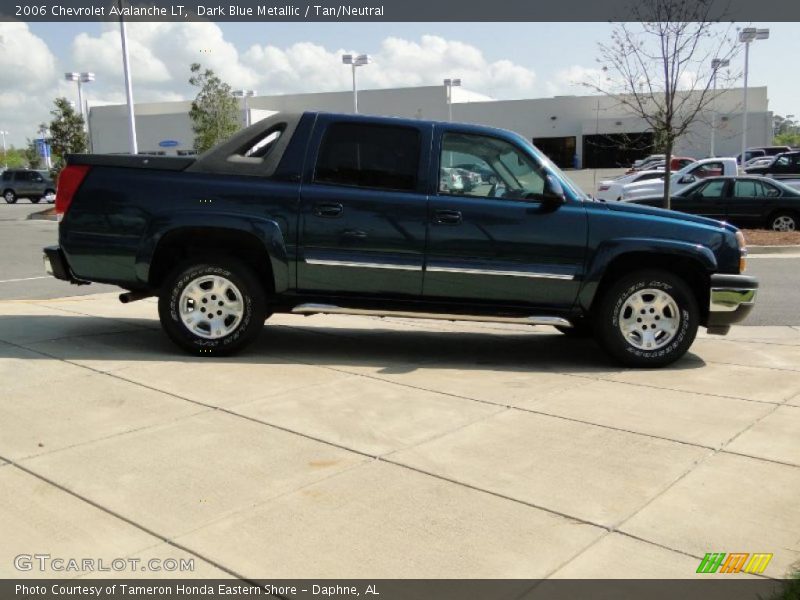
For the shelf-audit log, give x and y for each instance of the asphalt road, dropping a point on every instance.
(22, 274)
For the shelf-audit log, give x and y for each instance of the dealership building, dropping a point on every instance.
(587, 131)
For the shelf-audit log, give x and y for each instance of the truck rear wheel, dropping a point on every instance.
(647, 319)
(212, 308)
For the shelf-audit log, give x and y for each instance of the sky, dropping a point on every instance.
(501, 60)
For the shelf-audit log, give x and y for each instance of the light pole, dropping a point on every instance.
(450, 84)
(4, 133)
(716, 65)
(747, 36)
(600, 80)
(80, 78)
(245, 94)
(126, 67)
(355, 62)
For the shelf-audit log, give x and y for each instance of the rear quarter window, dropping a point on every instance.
(369, 156)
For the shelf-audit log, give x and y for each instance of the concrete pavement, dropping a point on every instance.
(361, 447)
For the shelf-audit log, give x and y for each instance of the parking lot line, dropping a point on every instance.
(23, 279)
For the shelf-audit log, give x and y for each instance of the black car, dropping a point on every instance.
(785, 166)
(747, 201)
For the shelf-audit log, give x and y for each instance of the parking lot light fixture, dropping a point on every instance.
(244, 95)
(80, 79)
(747, 36)
(716, 65)
(449, 84)
(356, 61)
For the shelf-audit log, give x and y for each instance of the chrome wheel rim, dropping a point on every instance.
(9, 196)
(211, 307)
(649, 319)
(784, 223)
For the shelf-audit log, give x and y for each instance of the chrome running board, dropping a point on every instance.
(330, 309)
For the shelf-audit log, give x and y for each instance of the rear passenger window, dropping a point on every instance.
(369, 156)
(747, 188)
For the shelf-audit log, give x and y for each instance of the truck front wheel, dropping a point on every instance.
(212, 308)
(647, 319)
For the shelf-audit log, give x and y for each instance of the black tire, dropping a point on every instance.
(35, 199)
(253, 297)
(10, 196)
(783, 220)
(625, 349)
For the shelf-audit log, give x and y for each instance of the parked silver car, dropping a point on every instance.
(26, 183)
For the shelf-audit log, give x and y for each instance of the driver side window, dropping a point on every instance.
(713, 189)
(486, 167)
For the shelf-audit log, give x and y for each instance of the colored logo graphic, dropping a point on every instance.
(736, 562)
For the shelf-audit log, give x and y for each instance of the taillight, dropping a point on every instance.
(69, 180)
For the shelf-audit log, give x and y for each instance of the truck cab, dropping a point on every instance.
(329, 213)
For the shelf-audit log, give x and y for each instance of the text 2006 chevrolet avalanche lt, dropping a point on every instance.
(327, 213)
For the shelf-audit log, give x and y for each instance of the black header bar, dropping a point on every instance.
(375, 10)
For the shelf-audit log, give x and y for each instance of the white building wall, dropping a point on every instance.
(542, 117)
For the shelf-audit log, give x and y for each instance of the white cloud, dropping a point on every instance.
(27, 63)
(161, 53)
(398, 62)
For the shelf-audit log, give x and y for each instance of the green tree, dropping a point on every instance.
(787, 131)
(14, 158)
(661, 67)
(31, 154)
(788, 139)
(67, 135)
(214, 112)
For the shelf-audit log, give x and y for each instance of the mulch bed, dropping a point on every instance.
(765, 237)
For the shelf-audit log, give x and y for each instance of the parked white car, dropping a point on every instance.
(759, 161)
(611, 189)
(708, 167)
(450, 180)
(653, 158)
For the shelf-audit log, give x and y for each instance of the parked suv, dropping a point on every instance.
(26, 183)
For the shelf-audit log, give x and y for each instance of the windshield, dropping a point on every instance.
(569, 185)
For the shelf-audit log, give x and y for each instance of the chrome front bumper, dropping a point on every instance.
(731, 299)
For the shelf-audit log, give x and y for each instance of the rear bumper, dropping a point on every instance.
(55, 264)
(731, 299)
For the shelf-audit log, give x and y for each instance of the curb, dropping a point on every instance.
(42, 216)
(792, 249)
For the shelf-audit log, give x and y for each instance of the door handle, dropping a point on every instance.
(357, 234)
(448, 217)
(328, 210)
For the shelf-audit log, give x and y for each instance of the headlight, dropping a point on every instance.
(742, 251)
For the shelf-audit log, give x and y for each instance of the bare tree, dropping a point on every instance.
(661, 66)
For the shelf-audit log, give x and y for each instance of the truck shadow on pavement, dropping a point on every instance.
(389, 350)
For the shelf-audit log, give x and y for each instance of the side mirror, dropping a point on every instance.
(553, 191)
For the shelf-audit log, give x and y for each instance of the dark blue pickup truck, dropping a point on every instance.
(327, 213)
